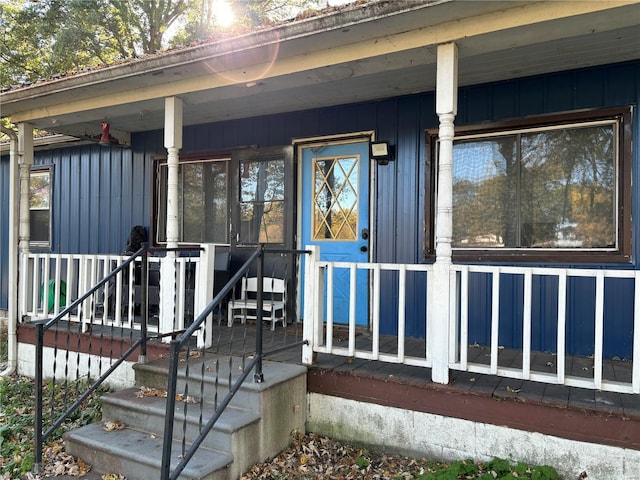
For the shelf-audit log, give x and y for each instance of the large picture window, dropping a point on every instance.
(552, 188)
(40, 182)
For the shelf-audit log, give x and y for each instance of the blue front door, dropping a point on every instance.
(335, 216)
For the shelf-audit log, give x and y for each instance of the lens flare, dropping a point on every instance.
(223, 13)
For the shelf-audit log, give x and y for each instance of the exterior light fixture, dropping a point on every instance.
(381, 152)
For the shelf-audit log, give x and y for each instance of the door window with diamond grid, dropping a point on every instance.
(335, 198)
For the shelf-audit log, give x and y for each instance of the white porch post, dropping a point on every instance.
(313, 314)
(203, 291)
(25, 160)
(25, 156)
(439, 296)
(173, 144)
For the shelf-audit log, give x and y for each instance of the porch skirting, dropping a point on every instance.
(439, 437)
(83, 349)
(122, 377)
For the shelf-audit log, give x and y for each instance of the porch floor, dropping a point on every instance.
(627, 405)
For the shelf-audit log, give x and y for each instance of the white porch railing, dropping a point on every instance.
(50, 282)
(329, 337)
(349, 341)
(458, 351)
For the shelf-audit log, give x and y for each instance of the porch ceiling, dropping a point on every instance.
(362, 52)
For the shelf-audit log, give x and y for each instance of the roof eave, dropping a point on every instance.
(346, 17)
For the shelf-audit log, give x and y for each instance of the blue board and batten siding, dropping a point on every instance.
(100, 193)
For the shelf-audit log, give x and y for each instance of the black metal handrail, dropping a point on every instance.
(42, 326)
(255, 363)
(176, 345)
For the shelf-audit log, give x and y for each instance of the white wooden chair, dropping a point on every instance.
(274, 301)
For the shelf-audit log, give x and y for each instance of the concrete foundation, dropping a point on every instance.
(438, 437)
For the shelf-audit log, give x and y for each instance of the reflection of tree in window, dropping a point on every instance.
(568, 185)
(548, 188)
(482, 191)
(39, 205)
(324, 181)
(262, 201)
(39, 190)
(203, 201)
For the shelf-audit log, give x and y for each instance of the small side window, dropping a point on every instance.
(40, 184)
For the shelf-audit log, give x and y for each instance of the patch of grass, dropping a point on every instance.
(498, 468)
(4, 344)
(362, 462)
(17, 403)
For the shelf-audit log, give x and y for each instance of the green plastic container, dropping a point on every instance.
(51, 294)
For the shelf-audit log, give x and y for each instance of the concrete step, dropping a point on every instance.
(217, 375)
(147, 413)
(256, 426)
(138, 455)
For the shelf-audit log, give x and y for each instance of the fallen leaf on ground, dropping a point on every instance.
(180, 397)
(113, 476)
(57, 462)
(151, 392)
(113, 425)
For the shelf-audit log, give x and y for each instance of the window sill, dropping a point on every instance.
(565, 257)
